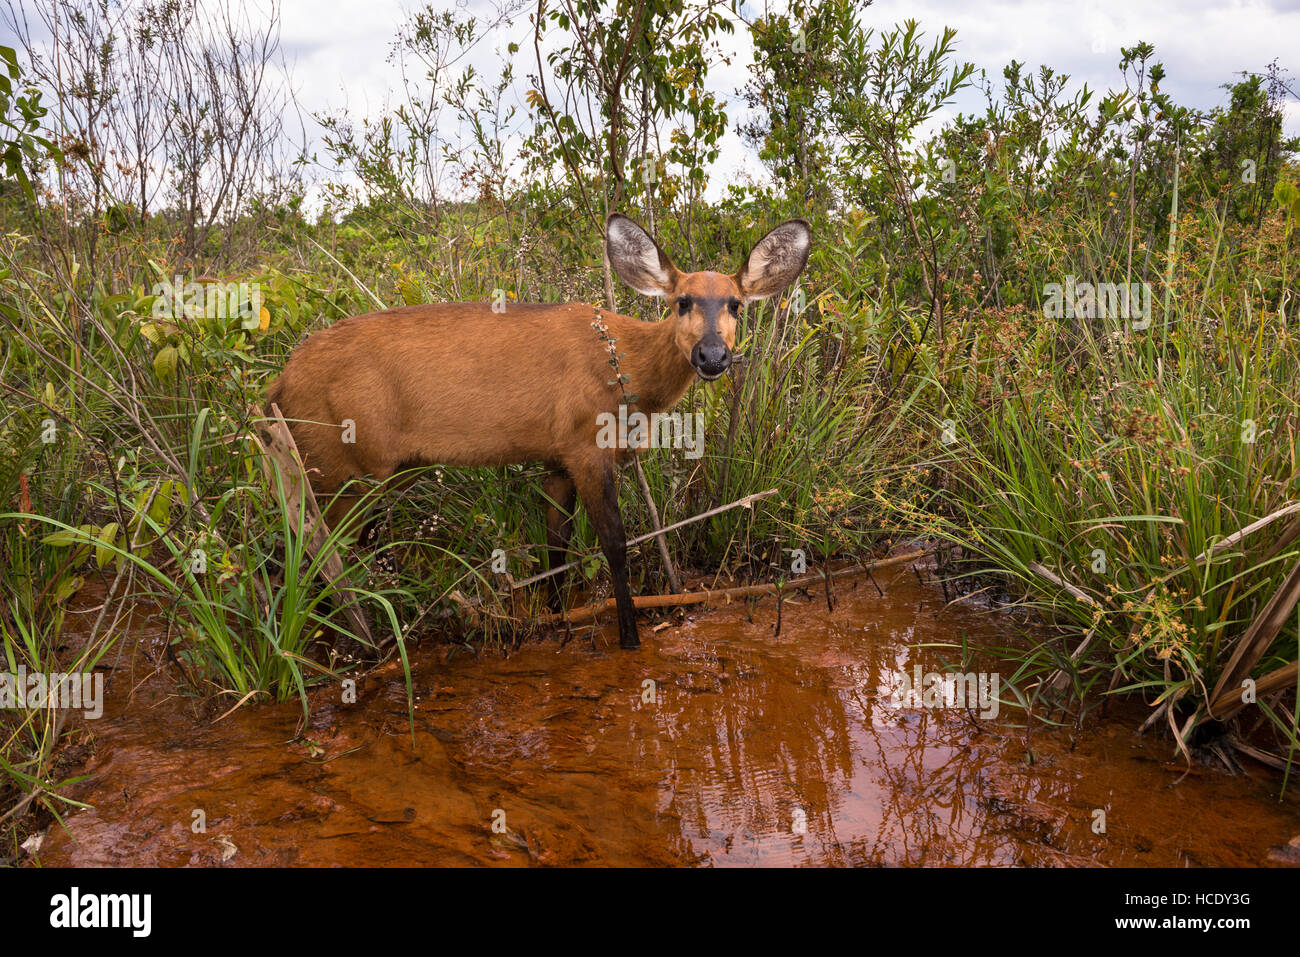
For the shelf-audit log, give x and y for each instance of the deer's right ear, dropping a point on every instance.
(637, 258)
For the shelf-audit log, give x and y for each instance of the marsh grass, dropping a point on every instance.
(1111, 487)
(1097, 474)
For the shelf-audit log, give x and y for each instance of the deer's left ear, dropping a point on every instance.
(775, 261)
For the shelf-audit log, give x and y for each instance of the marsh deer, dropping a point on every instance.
(461, 384)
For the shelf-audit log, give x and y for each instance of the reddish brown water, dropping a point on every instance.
(755, 750)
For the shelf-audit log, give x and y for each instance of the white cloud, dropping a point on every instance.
(1203, 45)
(340, 50)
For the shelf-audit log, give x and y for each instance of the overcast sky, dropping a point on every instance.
(339, 48)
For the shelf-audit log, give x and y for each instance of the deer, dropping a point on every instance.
(461, 384)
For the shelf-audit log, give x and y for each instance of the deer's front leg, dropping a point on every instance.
(598, 489)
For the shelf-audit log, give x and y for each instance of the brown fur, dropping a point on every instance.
(458, 384)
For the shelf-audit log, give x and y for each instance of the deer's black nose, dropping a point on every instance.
(711, 357)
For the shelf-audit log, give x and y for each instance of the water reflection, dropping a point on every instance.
(719, 743)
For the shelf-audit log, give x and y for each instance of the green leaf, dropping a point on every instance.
(106, 537)
(161, 509)
(164, 363)
(62, 539)
(67, 588)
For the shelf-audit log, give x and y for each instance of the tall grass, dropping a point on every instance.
(1100, 473)
(1110, 486)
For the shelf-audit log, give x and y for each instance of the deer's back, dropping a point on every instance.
(453, 383)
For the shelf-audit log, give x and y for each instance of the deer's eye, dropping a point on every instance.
(684, 304)
(734, 306)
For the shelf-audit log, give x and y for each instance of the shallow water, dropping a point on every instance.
(748, 748)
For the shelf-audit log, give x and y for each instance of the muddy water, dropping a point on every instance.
(747, 749)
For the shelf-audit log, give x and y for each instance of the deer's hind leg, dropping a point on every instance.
(562, 497)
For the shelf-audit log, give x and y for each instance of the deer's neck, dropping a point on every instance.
(658, 373)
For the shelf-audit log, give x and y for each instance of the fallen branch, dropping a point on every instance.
(1043, 572)
(1229, 540)
(1058, 679)
(1225, 700)
(1231, 700)
(588, 612)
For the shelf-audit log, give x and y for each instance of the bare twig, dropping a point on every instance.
(738, 503)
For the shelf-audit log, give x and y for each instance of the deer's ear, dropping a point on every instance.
(637, 258)
(775, 261)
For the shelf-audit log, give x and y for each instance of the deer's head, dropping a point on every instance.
(706, 305)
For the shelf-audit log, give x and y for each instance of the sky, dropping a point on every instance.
(339, 49)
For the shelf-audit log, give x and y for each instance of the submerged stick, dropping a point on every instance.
(588, 612)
